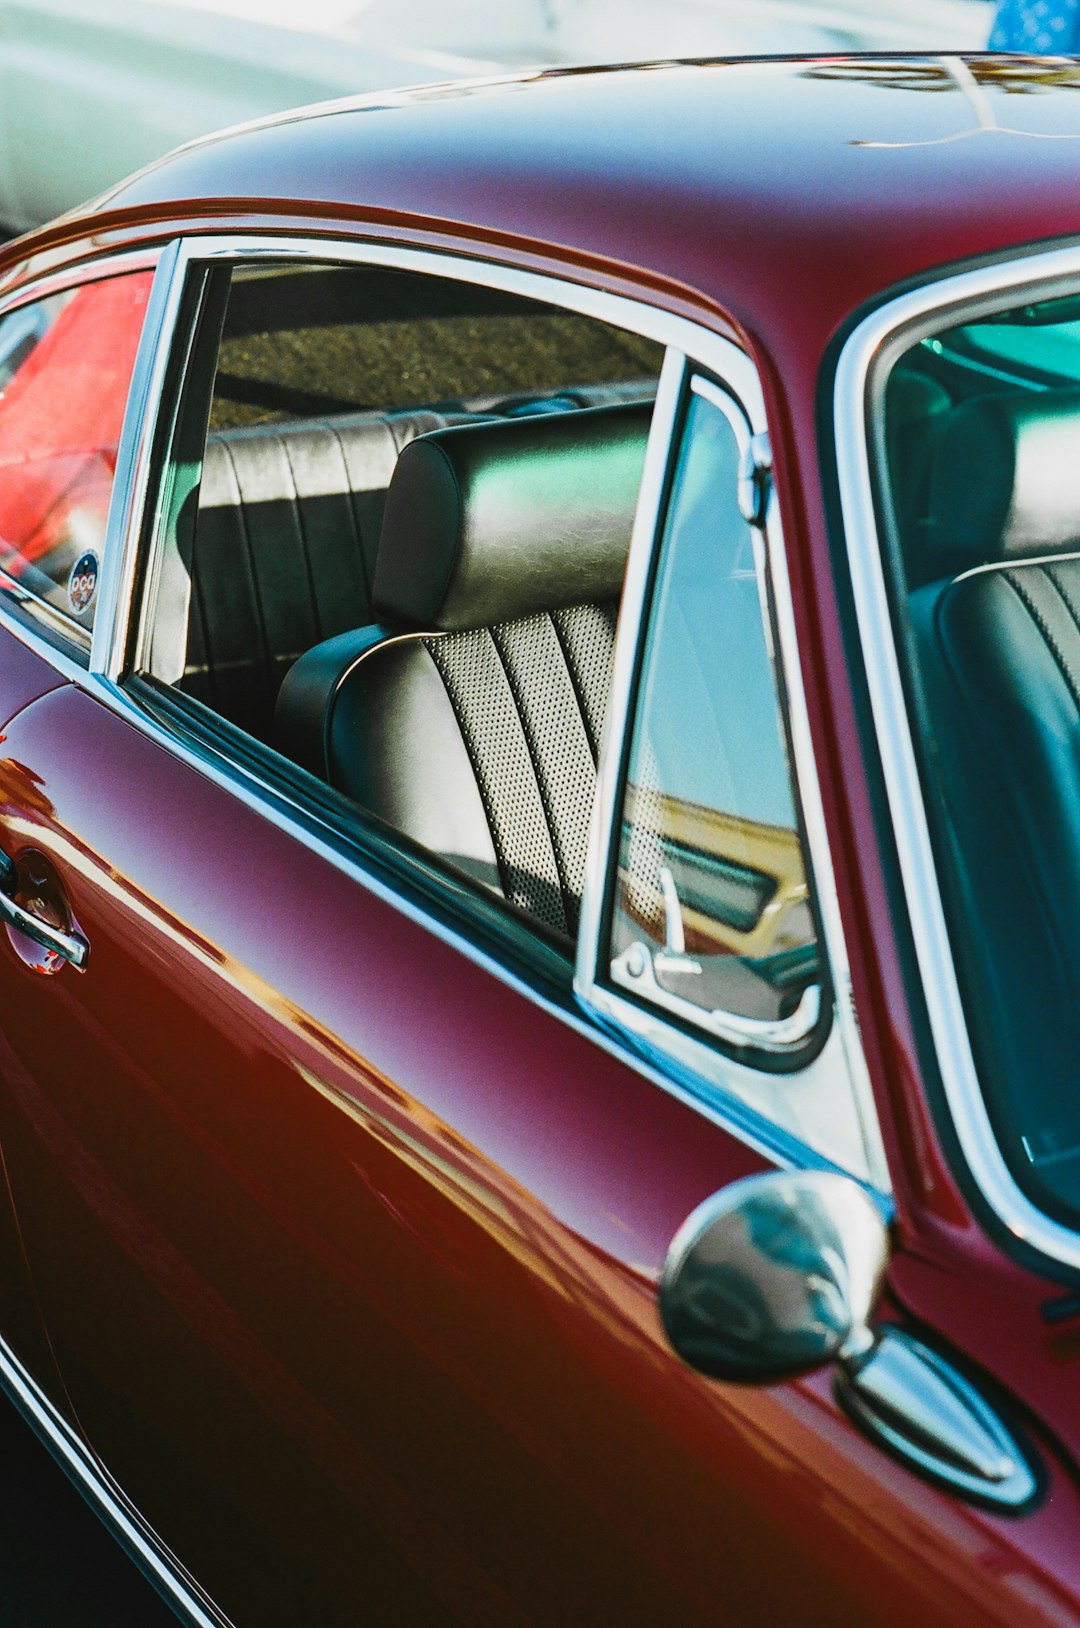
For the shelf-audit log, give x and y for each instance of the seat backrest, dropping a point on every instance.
(284, 549)
(286, 536)
(998, 643)
(470, 720)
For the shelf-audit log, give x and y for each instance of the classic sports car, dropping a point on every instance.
(540, 814)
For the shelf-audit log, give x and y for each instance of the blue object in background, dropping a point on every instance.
(1043, 26)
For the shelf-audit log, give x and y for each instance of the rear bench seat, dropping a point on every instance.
(288, 525)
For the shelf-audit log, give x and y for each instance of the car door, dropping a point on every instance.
(66, 363)
(346, 1208)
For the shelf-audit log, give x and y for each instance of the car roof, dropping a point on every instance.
(788, 192)
(820, 178)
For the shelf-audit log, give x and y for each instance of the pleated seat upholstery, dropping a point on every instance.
(285, 544)
(470, 719)
(286, 537)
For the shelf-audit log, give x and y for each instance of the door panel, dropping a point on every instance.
(21, 1325)
(23, 677)
(349, 1253)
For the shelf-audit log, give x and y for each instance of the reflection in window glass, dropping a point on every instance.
(65, 370)
(981, 468)
(712, 896)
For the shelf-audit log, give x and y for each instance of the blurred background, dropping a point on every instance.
(92, 89)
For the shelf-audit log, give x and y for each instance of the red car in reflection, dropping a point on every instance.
(58, 448)
(540, 831)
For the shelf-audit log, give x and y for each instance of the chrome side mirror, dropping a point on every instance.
(775, 1276)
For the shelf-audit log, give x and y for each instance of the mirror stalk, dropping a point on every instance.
(778, 1275)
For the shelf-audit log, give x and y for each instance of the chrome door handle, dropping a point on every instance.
(72, 947)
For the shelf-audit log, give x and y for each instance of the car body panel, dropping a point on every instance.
(776, 263)
(24, 677)
(890, 141)
(367, 1265)
(279, 1063)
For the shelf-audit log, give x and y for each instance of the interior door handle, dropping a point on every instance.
(70, 946)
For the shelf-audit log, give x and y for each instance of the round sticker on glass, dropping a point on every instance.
(82, 583)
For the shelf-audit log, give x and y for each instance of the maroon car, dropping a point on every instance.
(540, 815)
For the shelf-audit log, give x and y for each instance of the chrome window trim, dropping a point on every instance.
(841, 1060)
(677, 1075)
(124, 528)
(148, 1552)
(118, 265)
(925, 307)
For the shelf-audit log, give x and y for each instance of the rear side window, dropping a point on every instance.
(393, 530)
(65, 371)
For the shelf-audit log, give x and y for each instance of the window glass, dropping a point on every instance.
(712, 915)
(65, 371)
(1034, 349)
(981, 476)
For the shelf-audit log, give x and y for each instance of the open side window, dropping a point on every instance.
(391, 541)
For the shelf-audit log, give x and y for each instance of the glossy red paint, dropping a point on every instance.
(462, 1160)
(413, 1248)
(562, 169)
(583, 160)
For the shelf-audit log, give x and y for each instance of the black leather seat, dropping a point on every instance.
(471, 718)
(998, 640)
(284, 551)
(286, 536)
(916, 409)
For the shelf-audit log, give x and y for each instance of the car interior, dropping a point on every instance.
(393, 533)
(981, 439)
(399, 551)
(386, 551)
(474, 727)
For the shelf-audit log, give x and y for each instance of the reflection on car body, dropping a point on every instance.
(539, 823)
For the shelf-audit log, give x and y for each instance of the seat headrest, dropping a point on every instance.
(1005, 481)
(913, 398)
(490, 522)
